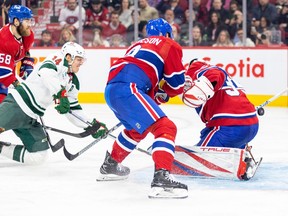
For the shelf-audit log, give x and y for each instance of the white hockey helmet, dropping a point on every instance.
(73, 49)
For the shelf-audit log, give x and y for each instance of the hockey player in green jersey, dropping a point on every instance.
(52, 81)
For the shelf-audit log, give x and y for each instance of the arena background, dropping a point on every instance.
(262, 72)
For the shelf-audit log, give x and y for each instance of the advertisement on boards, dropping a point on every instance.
(262, 72)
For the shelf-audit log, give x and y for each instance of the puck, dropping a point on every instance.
(260, 111)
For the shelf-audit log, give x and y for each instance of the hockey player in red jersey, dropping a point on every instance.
(230, 118)
(16, 40)
(133, 93)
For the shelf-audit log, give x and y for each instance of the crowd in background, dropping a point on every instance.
(216, 23)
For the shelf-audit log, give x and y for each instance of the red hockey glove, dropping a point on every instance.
(27, 66)
(62, 101)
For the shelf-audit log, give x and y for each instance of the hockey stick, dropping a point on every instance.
(143, 151)
(90, 130)
(70, 156)
(260, 109)
(137, 148)
(87, 132)
(3, 143)
(79, 118)
(109, 134)
(55, 147)
(88, 123)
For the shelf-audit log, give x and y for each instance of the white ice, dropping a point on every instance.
(63, 187)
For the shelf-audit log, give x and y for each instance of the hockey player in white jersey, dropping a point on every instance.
(52, 81)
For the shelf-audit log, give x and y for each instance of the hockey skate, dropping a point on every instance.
(112, 171)
(251, 165)
(3, 144)
(163, 186)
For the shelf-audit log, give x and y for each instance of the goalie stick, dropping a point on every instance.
(71, 156)
(260, 109)
(272, 98)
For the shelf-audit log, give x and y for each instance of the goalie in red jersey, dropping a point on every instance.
(16, 40)
(230, 119)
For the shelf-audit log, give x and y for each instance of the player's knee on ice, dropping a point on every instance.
(35, 158)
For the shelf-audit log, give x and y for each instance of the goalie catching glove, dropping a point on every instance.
(62, 101)
(27, 66)
(197, 92)
(100, 132)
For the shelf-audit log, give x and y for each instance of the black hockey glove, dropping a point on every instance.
(100, 132)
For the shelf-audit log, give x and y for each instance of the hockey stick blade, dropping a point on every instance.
(57, 146)
(54, 148)
(90, 130)
(3, 143)
(71, 157)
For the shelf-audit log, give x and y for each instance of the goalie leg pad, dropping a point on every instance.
(209, 162)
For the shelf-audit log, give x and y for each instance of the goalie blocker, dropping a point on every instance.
(214, 162)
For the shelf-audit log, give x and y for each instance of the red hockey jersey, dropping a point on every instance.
(160, 58)
(12, 51)
(229, 105)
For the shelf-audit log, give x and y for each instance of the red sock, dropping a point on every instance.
(118, 154)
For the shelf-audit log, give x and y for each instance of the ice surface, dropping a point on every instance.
(62, 187)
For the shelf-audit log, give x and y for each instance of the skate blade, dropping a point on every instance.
(111, 177)
(167, 193)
